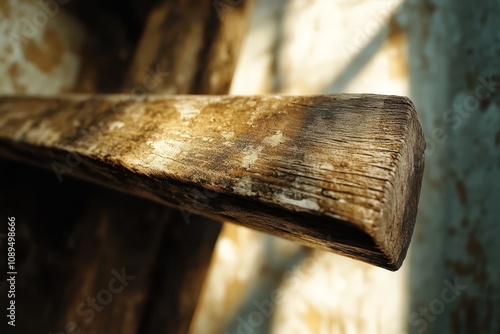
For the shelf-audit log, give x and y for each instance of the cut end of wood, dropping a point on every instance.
(398, 215)
(340, 172)
(391, 231)
(405, 193)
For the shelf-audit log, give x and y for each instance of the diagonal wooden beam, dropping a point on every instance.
(339, 172)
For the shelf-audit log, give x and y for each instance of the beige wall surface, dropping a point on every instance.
(39, 48)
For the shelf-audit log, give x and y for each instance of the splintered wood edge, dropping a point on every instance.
(339, 172)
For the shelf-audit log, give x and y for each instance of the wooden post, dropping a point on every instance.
(340, 172)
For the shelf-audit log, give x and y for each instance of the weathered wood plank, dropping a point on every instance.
(339, 172)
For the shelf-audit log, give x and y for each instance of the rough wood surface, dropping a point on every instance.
(336, 171)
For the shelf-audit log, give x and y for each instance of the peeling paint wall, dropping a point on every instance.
(39, 47)
(455, 84)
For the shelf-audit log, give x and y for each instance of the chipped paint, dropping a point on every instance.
(326, 166)
(159, 158)
(305, 203)
(46, 54)
(227, 135)
(251, 155)
(244, 187)
(44, 133)
(167, 147)
(188, 111)
(274, 140)
(116, 125)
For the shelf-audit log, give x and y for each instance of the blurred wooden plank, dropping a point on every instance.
(179, 273)
(340, 172)
(113, 30)
(189, 47)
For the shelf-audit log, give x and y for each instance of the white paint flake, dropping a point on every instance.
(163, 153)
(326, 165)
(244, 187)
(274, 140)
(188, 110)
(305, 203)
(251, 155)
(166, 147)
(227, 135)
(43, 133)
(116, 125)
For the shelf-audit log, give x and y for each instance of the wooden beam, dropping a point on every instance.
(340, 172)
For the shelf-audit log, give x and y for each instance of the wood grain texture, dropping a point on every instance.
(339, 172)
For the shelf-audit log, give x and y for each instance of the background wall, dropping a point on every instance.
(446, 56)
(39, 48)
